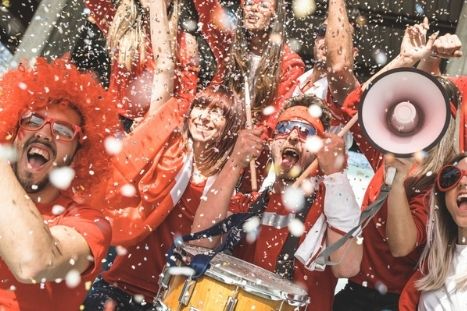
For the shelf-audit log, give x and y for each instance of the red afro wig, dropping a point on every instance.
(36, 87)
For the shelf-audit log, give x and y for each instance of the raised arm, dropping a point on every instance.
(163, 80)
(215, 206)
(31, 250)
(339, 57)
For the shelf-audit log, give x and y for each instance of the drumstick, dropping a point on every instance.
(314, 165)
(249, 125)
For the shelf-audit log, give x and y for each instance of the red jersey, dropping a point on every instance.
(133, 87)
(379, 267)
(94, 228)
(461, 83)
(137, 272)
(265, 251)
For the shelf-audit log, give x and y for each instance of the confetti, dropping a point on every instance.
(73, 278)
(62, 177)
(113, 145)
(293, 198)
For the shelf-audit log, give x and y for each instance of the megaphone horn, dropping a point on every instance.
(404, 111)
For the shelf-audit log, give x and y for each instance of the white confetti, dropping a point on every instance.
(113, 145)
(120, 250)
(61, 177)
(315, 111)
(303, 8)
(22, 85)
(295, 45)
(268, 110)
(8, 153)
(189, 25)
(314, 144)
(187, 271)
(57, 209)
(138, 298)
(128, 190)
(251, 224)
(296, 227)
(293, 198)
(381, 287)
(73, 278)
(380, 57)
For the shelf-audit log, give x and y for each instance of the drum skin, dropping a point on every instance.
(211, 295)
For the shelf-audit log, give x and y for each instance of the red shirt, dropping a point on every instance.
(94, 228)
(133, 87)
(138, 271)
(461, 83)
(265, 251)
(378, 265)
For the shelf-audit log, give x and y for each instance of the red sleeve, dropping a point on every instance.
(94, 228)
(240, 203)
(461, 83)
(350, 108)
(187, 70)
(219, 37)
(291, 68)
(410, 296)
(103, 12)
(150, 161)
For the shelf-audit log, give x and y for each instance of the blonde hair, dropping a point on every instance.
(441, 245)
(128, 37)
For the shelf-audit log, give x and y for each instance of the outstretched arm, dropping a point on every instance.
(31, 250)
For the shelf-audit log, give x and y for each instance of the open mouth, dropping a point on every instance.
(462, 199)
(290, 156)
(203, 127)
(37, 157)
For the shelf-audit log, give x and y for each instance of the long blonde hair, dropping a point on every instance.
(128, 37)
(266, 76)
(441, 245)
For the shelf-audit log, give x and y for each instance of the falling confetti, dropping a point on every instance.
(380, 57)
(314, 144)
(120, 250)
(61, 177)
(303, 8)
(113, 145)
(8, 152)
(315, 111)
(268, 110)
(128, 190)
(293, 198)
(187, 271)
(73, 278)
(296, 227)
(57, 209)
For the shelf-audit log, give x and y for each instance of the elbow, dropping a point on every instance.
(346, 270)
(399, 251)
(340, 68)
(29, 271)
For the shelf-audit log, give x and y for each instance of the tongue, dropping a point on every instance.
(288, 161)
(36, 161)
(463, 204)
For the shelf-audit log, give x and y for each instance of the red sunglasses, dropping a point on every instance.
(449, 177)
(284, 128)
(62, 130)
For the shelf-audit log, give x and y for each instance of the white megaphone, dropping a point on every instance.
(404, 111)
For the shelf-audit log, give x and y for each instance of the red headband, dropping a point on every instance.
(301, 113)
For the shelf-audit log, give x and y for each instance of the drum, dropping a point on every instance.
(229, 284)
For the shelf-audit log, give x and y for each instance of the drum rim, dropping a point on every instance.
(295, 300)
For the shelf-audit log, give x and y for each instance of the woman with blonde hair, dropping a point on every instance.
(134, 30)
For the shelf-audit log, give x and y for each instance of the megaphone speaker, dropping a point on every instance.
(404, 111)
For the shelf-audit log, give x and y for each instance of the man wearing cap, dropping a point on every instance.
(331, 215)
(55, 118)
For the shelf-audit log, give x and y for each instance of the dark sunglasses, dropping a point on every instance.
(319, 31)
(449, 177)
(33, 121)
(286, 127)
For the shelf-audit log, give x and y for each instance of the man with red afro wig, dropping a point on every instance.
(56, 119)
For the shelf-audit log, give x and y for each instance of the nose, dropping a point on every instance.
(294, 136)
(463, 182)
(45, 132)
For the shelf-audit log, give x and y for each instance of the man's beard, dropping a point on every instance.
(27, 183)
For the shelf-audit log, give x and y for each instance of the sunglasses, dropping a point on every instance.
(34, 121)
(449, 177)
(284, 128)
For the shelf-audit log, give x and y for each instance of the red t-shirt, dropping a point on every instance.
(138, 271)
(461, 83)
(94, 228)
(265, 251)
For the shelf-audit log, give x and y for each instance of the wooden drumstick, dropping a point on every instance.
(249, 125)
(314, 165)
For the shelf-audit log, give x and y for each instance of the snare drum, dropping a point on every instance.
(229, 284)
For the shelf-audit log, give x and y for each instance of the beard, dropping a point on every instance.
(26, 181)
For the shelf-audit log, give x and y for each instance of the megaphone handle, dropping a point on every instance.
(314, 165)
(390, 174)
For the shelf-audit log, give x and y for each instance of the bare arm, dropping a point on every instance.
(400, 225)
(163, 81)
(31, 250)
(339, 55)
(214, 207)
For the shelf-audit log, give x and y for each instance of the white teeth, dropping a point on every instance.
(41, 152)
